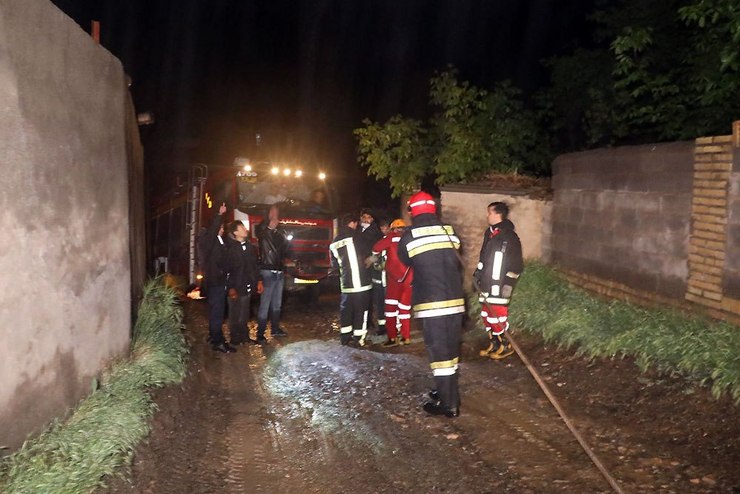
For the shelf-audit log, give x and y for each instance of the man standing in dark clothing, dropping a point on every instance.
(429, 247)
(349, 254)
(273, 247)
(369, 234)
(212, 254)
(495, 277)
(241, 265)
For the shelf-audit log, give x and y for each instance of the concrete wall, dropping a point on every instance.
(623, 214)
(64, 254)
(464, 207)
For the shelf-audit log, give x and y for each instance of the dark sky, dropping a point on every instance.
(305, 73)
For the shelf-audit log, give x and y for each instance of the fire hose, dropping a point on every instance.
(546, 390)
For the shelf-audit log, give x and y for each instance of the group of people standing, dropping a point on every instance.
(233, 271)
(422, 269)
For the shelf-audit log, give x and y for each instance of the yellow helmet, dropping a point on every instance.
(398, 223)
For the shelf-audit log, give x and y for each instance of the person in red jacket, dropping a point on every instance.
(398, 286)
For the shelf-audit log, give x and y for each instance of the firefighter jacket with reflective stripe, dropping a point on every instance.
(349, 253)
(394, 268)
(429, 248)
(500, 263)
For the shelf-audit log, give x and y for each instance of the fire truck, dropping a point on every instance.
(307, 213)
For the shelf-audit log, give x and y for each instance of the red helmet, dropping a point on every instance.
(421, 203)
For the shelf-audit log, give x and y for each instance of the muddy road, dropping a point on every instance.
(304, 414)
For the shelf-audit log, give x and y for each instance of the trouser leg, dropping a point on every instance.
(276, 303)
(391, 309)
(216, 308)
(238, 318)
(360, 302)
(378, 301)
(404, 311)
(345, 319)
(442, 339)
(265, 301)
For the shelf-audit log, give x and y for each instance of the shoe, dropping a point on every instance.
(502, 352)
(224, 348)
(434, 408)
(405, 341)
(487, 351)
(390, 342)
(434, 394)
(278, 332)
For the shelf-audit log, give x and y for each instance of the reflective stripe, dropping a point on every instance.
(391, 301)
(480, 265)
(381, 322)
(496, 300)
(512, 274)
(483, 313)
(445, 372)
(432, 230)
(439, 312)
(345, 329)
(395, 239)
(501, 331)
(443, 364)
(404, 306)
(391, 314)
(357, 290)
(419, 203)
(496, 290)
(498, 259)
(440, 304)
(427, 248)
(404, 316)
(430, 239)
(360, 332)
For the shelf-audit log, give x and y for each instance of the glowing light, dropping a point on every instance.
(298, 173)
(247, 168)
(286, 172)
(290, 237)
(322, 176)
(275, 170)
(199, 277)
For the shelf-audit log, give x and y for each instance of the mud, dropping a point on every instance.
(304, 414)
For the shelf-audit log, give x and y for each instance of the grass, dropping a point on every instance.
(80, 454)
(703, 350)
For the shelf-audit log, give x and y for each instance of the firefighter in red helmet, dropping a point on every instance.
(398, 286)
(429, 247)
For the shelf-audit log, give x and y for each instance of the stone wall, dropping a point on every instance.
(64, 214)
(464, 207)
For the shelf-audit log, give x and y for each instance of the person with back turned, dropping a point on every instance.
(430, 248)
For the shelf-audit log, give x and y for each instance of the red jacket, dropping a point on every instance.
(394, 268)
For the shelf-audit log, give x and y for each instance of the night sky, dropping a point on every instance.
(305, 73)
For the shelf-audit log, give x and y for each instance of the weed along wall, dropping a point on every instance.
(652, 224)
(464, 207)
(64, 213)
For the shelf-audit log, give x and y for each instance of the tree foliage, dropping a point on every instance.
(473, 131)
(671, 71)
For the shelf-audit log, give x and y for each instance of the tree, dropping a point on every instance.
(473, 132)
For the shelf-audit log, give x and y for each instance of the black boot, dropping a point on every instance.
(436, 408)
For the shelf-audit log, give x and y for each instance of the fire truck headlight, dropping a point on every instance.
(275, 170)
(247, 168)
(286, 172)
(298, 173)
(289, 237)
(322, 176)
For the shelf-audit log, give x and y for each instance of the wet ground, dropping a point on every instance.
(304, 414)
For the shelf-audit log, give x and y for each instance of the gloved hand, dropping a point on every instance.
(233, 294)
(260, 287)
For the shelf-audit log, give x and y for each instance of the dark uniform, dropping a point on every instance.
(437, 299)
(212, 258)
(241, 262)
(498, 270)
(349, 254)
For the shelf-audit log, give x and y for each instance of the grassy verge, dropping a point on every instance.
(699, 348)
(99, 438)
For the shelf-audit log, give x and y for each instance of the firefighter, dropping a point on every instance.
(349, 255)
(495, 277)
(430, 248)
(398, 286)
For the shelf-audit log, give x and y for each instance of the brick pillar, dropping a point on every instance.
(712, 167)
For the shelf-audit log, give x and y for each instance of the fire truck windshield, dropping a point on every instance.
(270, 189)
